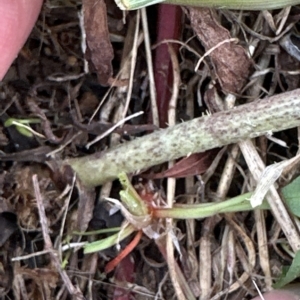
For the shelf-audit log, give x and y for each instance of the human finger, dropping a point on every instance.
(16, 22)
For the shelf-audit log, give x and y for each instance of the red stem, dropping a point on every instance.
(113, 263)
(168, 27)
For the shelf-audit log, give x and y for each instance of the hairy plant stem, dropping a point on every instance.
(260, 117)
(228, 4)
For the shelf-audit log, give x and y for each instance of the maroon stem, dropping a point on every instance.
(168, 27)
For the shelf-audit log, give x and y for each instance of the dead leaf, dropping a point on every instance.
(123, 275)
(85, 206)
(99, 50)
(194, 164)
(44, 281)
(231, 63)
(288, 61)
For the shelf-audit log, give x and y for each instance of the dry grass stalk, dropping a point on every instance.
(75, 292)
(278, 208)
(152, 89)
(171, 183)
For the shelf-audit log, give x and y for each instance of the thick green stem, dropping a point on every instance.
(228, 4)
(272, 114)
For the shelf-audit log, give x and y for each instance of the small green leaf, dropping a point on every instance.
(24, 131)
(291, 194)
(18, 124)
(109, 241)
(289, 274)
(11, 121)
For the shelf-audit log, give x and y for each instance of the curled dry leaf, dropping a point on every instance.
(194, 164)
(85, 206)
(230, 61)
(99, 48)
(289, 60)
(124, 274)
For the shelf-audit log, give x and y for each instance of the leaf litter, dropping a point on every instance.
(241, 60)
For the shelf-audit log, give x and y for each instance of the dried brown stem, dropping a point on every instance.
(75, 292)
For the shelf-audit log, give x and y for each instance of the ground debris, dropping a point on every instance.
(241, 61)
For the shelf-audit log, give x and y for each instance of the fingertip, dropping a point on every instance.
(16, 22)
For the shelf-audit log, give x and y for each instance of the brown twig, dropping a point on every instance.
(75, 292)
(45, 122)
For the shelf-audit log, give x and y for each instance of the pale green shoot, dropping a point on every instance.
(23, 125)
(131, 198)
(134, 204)
(203, 210)
(192, 211)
